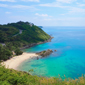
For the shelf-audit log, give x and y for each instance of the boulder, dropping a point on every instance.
(45, 53)
(55, 50)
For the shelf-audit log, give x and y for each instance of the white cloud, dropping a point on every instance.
(54, 4)
(8, 12)
(65, 1)
(48, 19)
(8, 0)
(81, 5)
(21, 6)
(71, 9)
(32, 8)
(31, 0)
(62, 14)
(76, 10)
(66, 21)
(24, 7)
(58, 3)
(3, 5)
(43, 15)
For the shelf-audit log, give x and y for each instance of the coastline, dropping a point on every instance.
(14, 62)
(34, 44)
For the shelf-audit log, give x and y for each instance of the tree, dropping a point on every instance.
(4, 53)
(18, 51)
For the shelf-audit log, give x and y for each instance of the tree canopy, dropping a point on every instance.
(9, 34)
(20, 34)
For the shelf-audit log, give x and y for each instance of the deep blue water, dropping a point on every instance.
(69, 60)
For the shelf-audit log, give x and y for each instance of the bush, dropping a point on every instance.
(4, 53)
(18, 52)
(13, 77)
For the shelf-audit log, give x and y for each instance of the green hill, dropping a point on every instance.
(17, 35)
(21, 34)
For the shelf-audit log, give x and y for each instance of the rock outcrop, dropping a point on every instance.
(45, 53)
(34, 44)
(55, 50)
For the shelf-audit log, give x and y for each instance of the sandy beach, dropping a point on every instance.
(17, 60)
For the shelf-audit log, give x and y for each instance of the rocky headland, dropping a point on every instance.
(34, 44)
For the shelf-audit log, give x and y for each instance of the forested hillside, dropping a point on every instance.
(10, 34)
(16, 35)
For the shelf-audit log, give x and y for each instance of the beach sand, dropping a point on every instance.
(14, 62)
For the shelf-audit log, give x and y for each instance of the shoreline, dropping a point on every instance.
(34, 44)
(14, 62)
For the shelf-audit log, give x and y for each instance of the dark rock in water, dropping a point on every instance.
(55, 50)
(45, 53)
(37, 58)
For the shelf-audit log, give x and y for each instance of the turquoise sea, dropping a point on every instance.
(68, 61)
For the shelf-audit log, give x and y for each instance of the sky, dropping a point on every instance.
(43, 12)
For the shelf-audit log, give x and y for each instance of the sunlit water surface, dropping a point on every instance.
(69, 60)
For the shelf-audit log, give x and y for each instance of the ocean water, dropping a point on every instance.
(67, 62)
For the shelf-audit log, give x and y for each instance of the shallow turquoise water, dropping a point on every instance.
(69, 60)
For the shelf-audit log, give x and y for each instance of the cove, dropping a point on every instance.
(68, 61)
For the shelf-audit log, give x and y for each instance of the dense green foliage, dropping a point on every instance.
(6, 32)
(20, 34)
(4, 53)
(13, 77)
(10, 34)
(18, 51)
